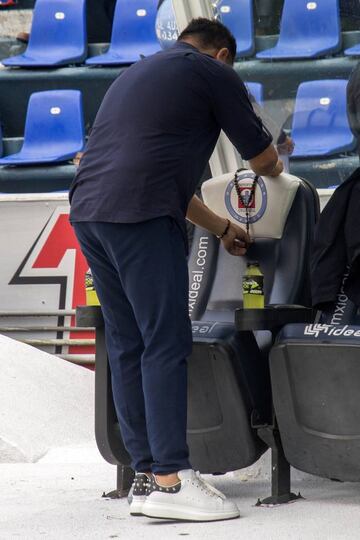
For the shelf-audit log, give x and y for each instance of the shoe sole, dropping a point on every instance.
(136, 508)
(183, 513)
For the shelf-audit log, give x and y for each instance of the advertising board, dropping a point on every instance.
(42, 268)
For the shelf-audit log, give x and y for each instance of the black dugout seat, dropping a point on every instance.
(315, 374)
(229, 384)
(229, 387)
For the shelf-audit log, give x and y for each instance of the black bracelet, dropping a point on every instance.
(225, 231)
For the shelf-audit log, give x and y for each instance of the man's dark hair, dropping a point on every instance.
(210, 33)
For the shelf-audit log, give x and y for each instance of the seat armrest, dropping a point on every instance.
(272, 317)
(89, 316)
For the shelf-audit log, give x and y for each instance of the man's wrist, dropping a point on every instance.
(223, 228)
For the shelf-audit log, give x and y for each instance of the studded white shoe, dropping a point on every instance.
(137, 494)
(191, 499)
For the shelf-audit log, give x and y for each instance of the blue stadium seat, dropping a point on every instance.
(320, 124)
(237, 15)
(58, 35)
(54, 128)
(133, 33)
(257, 91)
(308, 29)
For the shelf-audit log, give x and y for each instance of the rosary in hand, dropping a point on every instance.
(249, 200)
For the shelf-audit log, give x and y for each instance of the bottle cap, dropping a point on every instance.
(253, 263)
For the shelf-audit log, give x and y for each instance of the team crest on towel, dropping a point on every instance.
(237, 207)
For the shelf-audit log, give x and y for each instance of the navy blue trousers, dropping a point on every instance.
(141, 278)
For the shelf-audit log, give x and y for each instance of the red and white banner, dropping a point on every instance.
(42, 267)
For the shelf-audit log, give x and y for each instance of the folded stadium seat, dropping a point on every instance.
(58, 35)
(133, 33)
(229, 385)
(315, 373)
(320, 124)
(256, 90)
(54, 129)
(308, 29)
(237, 15)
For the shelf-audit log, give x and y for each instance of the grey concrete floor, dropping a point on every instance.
(60, 498)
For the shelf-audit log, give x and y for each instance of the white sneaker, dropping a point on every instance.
(137, 494)
(192, 499)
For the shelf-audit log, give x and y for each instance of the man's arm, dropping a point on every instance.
(235, 240)
(267, 163)
(236, 116)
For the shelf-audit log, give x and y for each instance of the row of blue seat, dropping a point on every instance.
(54, 128)
(320, 125)
(58, 34)
(308, 29)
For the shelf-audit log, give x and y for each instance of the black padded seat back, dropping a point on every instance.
(343, 310)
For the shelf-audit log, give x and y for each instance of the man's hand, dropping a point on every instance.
(278, 169)
(287, 147)
(236, 241)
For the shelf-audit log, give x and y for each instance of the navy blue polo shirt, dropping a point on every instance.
(154, 134)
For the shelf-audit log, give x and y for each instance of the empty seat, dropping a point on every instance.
(237, 15)
(54, 128)
(133, 33)
(308, 29)
(58, 35)
(256, 90)
(320, 124)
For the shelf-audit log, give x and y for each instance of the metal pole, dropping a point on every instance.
(59, 342)
(185, 10)
(57, 313)
(15, 329)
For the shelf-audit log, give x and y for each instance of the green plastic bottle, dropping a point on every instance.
(253, 287)
(91, 296)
